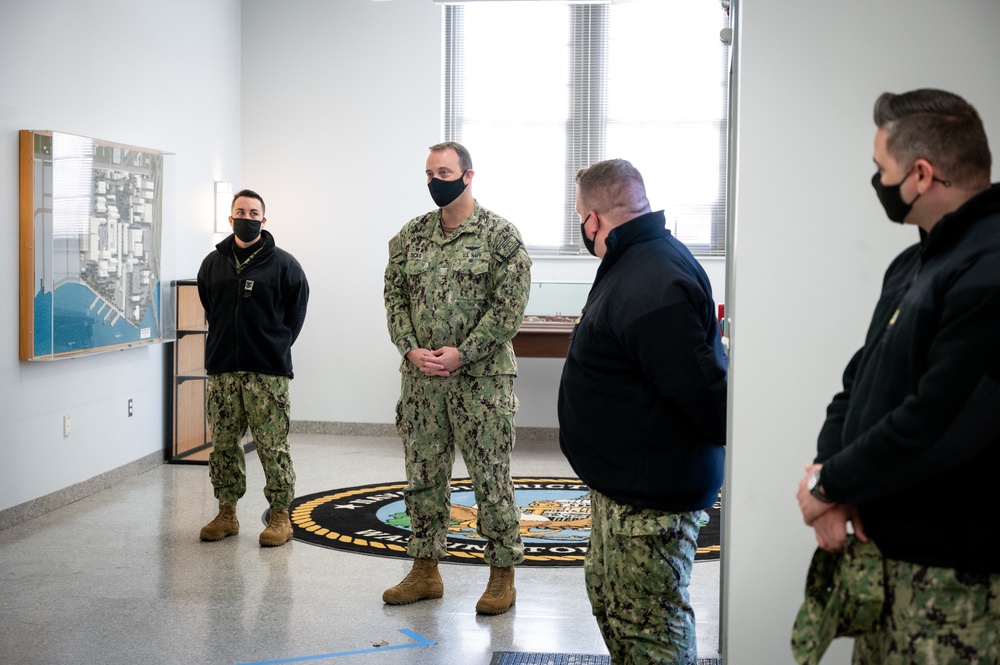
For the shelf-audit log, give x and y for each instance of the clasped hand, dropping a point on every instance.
(828, 520)
(436, 362)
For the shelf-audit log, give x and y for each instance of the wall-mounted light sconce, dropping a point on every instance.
(223, 204)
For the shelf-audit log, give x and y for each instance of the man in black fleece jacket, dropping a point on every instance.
(910, 447)
(642, 417)
(255, 296)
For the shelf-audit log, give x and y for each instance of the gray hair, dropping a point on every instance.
(612, 184)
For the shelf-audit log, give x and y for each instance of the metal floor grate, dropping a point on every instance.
(530, 658)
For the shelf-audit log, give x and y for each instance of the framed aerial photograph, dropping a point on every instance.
(91, 217)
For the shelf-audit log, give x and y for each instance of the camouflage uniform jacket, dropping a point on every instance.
(467, 290)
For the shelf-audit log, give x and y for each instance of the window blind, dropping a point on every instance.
(537, 91)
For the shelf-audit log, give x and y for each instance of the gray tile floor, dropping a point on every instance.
(120, 577)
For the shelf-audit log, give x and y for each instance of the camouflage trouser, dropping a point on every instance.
(934, 616)
(237, 400)
(638, 569)
(476, 413)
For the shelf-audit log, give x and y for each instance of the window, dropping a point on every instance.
(537, 91)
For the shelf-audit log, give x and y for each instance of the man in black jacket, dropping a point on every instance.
(910, 447)
(642, 417)
(255, 297)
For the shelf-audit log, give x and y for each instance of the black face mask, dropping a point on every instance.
(587, 242)
(896, 209)
(445, 191)
(246, 230)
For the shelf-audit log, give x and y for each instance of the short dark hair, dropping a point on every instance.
(464, 158)
(250, 194)
(938, 126)
(610, 184)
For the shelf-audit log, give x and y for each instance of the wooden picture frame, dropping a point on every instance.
(91, 215)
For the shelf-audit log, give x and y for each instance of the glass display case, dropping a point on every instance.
(552, 311)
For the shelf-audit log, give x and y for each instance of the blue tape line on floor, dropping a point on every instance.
(421, 641)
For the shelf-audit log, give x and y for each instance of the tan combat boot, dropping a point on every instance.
(224, 524)
(423, 582)
(500, 593)
(278, 531)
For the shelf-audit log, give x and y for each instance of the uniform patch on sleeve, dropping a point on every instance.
(508, 245)
(395, 246)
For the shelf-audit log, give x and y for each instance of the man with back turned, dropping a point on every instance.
(642, 417)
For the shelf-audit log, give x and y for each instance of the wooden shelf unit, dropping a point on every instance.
(191, 436)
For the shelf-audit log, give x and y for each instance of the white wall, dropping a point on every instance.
(812, 243)
(161, 75)
(340, 103)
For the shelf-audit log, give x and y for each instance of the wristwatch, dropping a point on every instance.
(816, 488)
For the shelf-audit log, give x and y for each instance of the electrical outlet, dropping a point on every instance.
(130, 408)
(65, 425)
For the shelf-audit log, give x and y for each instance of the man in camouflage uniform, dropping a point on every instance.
(642, 418)
(456, 286)
(910, 447)
(255, 296)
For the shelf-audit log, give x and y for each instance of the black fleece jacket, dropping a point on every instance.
(254, 314)
(914, 437)
(642, 401)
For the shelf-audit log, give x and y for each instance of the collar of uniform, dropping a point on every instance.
(648, 226)
(432, 225)
(957, 222)
(225, 246)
